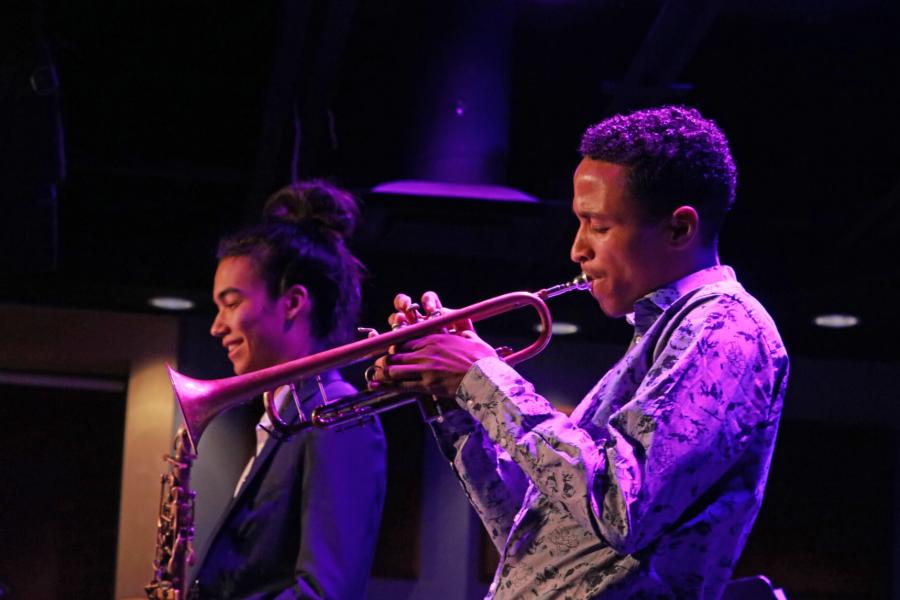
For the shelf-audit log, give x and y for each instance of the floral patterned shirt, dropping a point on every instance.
(649, 489)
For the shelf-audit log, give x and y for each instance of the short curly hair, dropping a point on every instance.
(674, 157)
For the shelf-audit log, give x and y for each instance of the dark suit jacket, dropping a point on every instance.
(305, 522)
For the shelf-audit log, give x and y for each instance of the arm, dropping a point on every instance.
(342, 498)
(705, 399)
(494, 483)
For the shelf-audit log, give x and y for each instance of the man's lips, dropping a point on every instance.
(232, 346)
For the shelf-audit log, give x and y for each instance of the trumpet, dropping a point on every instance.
(202, 400)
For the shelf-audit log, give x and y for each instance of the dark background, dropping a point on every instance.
(177, 119)
(133, 135)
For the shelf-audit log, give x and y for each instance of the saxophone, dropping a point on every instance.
(175, 525)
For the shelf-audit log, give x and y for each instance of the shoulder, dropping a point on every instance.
(315, 441)
(719, 342)
(723, 329)
(366, 436)
(338, 388)
(726, 309)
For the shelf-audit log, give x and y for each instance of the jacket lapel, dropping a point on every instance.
(310, 397)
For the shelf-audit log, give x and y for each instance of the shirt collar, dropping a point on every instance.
(648, 308)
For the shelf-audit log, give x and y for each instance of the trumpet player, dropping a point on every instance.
(650, 487)
(305, 514)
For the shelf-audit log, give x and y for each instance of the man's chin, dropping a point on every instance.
(613, 312)
(243, 367)
(240, 368)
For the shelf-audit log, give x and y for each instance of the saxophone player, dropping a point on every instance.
(305, 514)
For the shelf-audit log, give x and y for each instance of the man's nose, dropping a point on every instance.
(218, 327)
(580, 250)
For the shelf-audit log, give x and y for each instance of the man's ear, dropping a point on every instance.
(297, 301)
(684, 226)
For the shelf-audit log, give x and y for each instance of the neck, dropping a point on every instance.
(704, 259)
(303, 346)
(701, 258)
(298, 340)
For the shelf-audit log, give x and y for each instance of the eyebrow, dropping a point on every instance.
(587, 214)
(232, 290)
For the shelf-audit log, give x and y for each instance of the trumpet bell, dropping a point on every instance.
(191, 410)
(200, 402)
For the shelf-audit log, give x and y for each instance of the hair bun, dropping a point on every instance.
(317, 203)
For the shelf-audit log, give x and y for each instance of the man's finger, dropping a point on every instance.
(463, 325)
(431, 303)
(399, 373)
(413, 386)
(402, 302)
(397, 319)
(415, 345)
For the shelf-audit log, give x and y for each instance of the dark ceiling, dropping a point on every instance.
(178, 118)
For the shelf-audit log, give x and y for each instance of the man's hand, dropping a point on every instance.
(434, 364)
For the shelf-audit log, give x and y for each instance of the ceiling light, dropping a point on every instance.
(410, 187)
(559, 328)
(836, 321)
(171, 303)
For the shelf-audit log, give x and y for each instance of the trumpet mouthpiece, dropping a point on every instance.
(582, 282)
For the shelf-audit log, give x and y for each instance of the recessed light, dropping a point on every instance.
(559, 328)
(836, 321)
(171, 303)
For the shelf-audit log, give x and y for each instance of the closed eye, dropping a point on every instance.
(229, 298)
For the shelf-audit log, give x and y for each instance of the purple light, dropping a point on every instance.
(410, 187)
